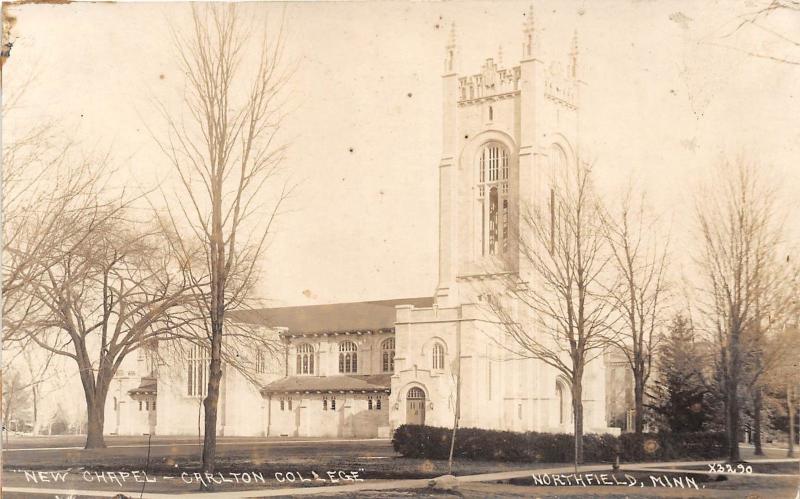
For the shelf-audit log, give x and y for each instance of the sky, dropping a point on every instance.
(669, 89)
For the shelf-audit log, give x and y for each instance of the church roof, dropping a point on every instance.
(338, 383)
(332, 318)
(148, 386)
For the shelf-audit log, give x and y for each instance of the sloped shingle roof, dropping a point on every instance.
(355, 383)
(336, 317)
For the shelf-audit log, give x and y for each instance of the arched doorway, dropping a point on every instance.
(415, 406)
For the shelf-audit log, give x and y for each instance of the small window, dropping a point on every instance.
(491, 113)
(333, 404)
(140, 405)
(325, 403)
(369, 403)
(378, 404)
(146, 405)
(282, 406)
(153, 405)
(290, 403)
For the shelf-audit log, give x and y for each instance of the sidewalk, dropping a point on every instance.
(379, 485)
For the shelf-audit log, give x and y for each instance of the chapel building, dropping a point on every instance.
(363, 369)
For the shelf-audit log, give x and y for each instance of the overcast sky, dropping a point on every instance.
(669, 88)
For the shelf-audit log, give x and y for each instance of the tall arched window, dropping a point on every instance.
(305, 359)
(438, 356)
(558, 168)
(493, 203)
(562, 396)
(197, 378)
(387, 355)
(348, 357)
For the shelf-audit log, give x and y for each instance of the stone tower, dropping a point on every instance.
(506, 131)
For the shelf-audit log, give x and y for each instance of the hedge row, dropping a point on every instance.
(491, 445)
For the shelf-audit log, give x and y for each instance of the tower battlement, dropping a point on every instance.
(492, 82)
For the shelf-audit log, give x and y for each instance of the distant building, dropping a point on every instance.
(362, 369)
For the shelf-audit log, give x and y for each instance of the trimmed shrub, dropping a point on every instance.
(430, 442)
(667, 446)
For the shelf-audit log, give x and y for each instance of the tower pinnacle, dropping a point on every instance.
(528, 34)
(573, 56)
(450, 50)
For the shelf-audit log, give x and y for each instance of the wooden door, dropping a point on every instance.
(415, 406)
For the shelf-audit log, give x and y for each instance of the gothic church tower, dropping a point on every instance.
(507, 130)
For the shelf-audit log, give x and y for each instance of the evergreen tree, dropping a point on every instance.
(679, 399)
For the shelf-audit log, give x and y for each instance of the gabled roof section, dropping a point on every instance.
(330, 384)
(332, 318)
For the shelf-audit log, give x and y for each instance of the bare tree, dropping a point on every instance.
(739, 228)
(768, 344)
(47, 194)
(554, 308)
(16, 398)
(228, 161)
(638, 295)
(119, 289)
(38, 370)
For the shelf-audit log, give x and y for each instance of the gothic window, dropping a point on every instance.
(493, 202)
(387, 354)
(348, 357)
(563, 402)
(282, 404)
(305, 359)
(260, 364)
(197, 379)
(491, 113)
(438, 356)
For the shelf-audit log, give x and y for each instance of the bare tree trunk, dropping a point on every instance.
(733, 419)
(211, 402)
(457, 415)
(757, 406)
(577, 410)
(789, 401)
(638, 404)
(95, 392)
(95, 411)
(35, 393)
(96, 416)
(7, 411)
